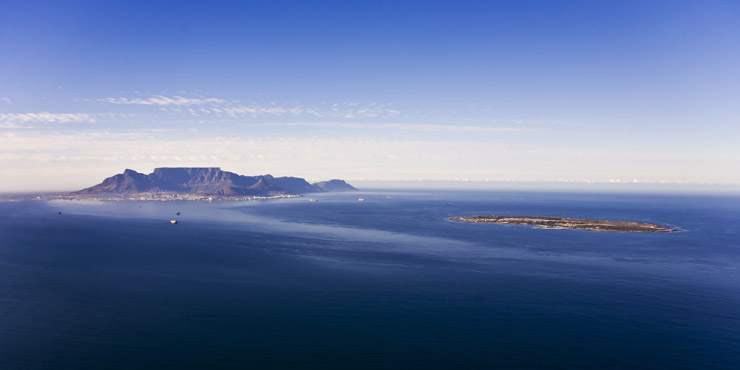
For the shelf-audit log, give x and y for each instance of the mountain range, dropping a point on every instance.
(209, 181)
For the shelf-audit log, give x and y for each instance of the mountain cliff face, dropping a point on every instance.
(206, 181)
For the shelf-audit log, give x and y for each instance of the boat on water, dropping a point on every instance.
(174, 222)
(313, 200)
(360, 199)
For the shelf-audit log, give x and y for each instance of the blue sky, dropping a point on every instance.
(377, 90)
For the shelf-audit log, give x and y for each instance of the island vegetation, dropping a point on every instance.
(568, 223)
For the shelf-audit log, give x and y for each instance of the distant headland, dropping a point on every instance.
(567, 223)
(198, 183)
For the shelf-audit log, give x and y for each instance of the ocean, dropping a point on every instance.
(388, 283)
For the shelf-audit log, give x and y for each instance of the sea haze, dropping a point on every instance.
(385, 283)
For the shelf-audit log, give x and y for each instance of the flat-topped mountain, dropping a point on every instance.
(209, 181)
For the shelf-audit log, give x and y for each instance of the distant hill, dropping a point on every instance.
(334, 185)
(209, 181)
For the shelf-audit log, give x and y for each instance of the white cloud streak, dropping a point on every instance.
(6, 100)
(233, 109)
(404, 126)
(228, 109)
(159, 100)
(20, 119)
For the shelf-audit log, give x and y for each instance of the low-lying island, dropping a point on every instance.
(568, 223)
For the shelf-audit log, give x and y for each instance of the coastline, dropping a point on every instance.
(137, 197)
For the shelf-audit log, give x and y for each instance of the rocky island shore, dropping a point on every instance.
(568, 223)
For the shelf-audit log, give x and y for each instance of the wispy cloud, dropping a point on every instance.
(542, 122)
(349, 115)
(19, 119)
(6, 100)
(438, 128)
(405, 126)
(235, 109)
(160, 100)
(243, 110)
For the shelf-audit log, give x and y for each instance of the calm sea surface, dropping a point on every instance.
(385, 283)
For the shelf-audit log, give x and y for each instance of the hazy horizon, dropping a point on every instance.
(615, 185)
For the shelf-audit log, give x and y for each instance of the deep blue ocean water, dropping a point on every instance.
(385, 283)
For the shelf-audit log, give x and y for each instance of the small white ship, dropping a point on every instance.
(360, 199)
(174, 222)
(313, 200)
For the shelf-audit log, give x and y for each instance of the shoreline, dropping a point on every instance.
(141, 197)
